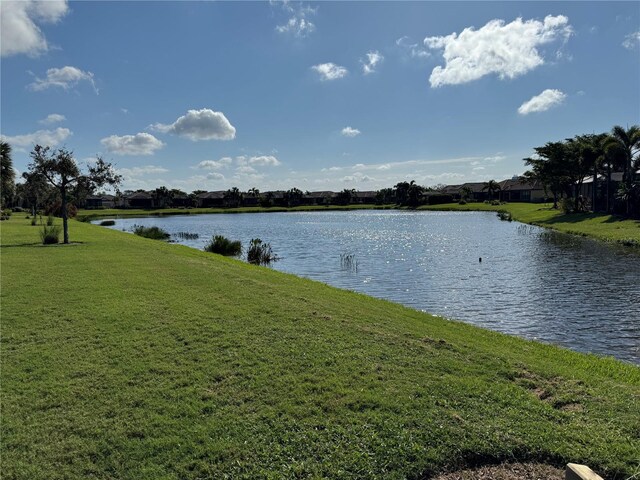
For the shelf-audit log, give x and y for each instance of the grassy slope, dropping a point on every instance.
(124, 357)
(609, 228)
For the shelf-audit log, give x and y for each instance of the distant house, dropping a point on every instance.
(453, 190)
(181, 200)
(278, 198)
(93, 202)
(139, 200)
(210, 199)
(586, 190)
(250, 200)
(518, 189)
(368, 197)
(318, 198)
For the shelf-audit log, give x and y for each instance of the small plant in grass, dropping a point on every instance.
(260, 253)
(223, 246)
(50, 234)
(5, 214)
(462, 202)
(107, 223)
(155, 233)
(505, 216)
(49, 220)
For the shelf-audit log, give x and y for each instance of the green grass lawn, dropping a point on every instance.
(609, 228)
(124, 357)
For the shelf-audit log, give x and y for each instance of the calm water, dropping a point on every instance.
(531, 282)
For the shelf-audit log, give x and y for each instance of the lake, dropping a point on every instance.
(531, 282)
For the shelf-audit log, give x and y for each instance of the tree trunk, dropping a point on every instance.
(65, 226)
(593, 191)
(608, 188)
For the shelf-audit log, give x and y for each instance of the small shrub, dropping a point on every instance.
(462, 202)
(505, 216)
(567, 205)
(260, 253)
(107, 223)
(49, 220)
(34, 221)
(50, 235)
(5, 214)
(496, 202)
(223, 246)
(155, 233)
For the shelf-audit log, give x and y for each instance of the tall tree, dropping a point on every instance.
(628, 142)
(491, 187)
(7, 174)
(414, 194)
(233, 197)
(344, 197)
(162, 196)
(293, 197)
(61, 170)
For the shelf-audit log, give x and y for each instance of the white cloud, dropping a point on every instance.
(298, 23)
(542, 102)
(246, 170)
(411, 48)
(632, 40)
(53, 118)
(350, 132)
(49, 138)
(369, 64)
(215, 164)
(65, 77)
(138, 144)
(215, 176)
(330, 71)
(204, 124)
(264, 160)
(141, 171)
(507, 50)
(357, 177)
(19, 32)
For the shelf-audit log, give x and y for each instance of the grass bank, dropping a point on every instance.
(88, 215)
(124, 357)
(609, 228)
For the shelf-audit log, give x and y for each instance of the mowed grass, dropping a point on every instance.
(609, 228)
(124, 357)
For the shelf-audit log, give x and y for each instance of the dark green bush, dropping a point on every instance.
(462, 202)
(223, 246)
(107, 223)
(50, 234)
(260, 253)
(155, 233)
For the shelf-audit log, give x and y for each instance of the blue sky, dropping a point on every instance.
(320, 96)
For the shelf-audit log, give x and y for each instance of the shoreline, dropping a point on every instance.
(603, 227)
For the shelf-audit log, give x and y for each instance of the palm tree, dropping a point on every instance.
(7, 173)
(491, 187)
(628, 142)
(233, 197)
(465, 193)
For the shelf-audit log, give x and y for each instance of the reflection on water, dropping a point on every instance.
(531, 282)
